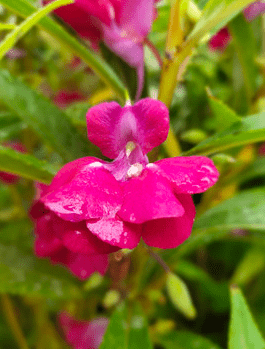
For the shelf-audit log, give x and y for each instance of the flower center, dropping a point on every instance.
(134, 170)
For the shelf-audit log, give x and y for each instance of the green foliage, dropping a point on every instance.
(25, 165)
(43, 117)
(243, 331)
(127, 331)
(186, 340)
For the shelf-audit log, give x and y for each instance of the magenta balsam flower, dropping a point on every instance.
(117, 203)
(122, 25)
(83, 334)
(6, 177)
(65, 242)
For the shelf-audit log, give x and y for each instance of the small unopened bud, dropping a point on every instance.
(222, 159)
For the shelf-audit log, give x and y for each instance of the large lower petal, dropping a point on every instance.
(77, 238)
(170, 232)
(83, 266)
(92, 193)
(116, 232)
(190, 175)
(148, 197)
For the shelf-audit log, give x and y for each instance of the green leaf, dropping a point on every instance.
(216, 14)
(5, 26)
(243, 331)
(180, 297)
(246, 270)
(10, 125)
(49, 122)
(215, 292)
(24, 274)
(250, 129)
(187, 340)
(24, 8)
(125, 333)
(232, 214)
(25, 165)
(245, 44)
(256, 169)
(224, 117)
(138, 333)
(12, 38)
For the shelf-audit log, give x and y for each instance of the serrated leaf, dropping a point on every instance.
(186, 340)
(127, 333)
(49, 122)
(25, 165)
(249, 130)
(243, 331)
(24, 274)
(179, 295)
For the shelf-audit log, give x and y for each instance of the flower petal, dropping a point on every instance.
(111, 127)
(190, 175)
(83, 266)
(147, 197)
(116, 232)
(170, 232)
(83, 334)
(46, 242)
(77, 238)
(92, 193)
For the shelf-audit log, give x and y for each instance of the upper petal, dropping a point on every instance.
(190, 175)
(116, 232)
(111, 127)
(136, 17)
(92, 193)
(170, 232)
(148, 197)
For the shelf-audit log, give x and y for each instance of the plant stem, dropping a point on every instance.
(10, 315)
(158, 259)
(154, 50)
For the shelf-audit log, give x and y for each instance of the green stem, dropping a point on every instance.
(11, 318)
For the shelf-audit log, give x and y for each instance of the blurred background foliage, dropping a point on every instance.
(45, 91)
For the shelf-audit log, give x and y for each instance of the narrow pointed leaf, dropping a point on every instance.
(250, 129)
(243, 331)
(12, 38)
(25, 165)
(49, 122)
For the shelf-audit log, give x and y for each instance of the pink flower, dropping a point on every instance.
(64, 98)
(122, 25)
(221, 39)
(83, 334)
(103, 205)
(67, 243)
(6, 177)
(253, 10)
